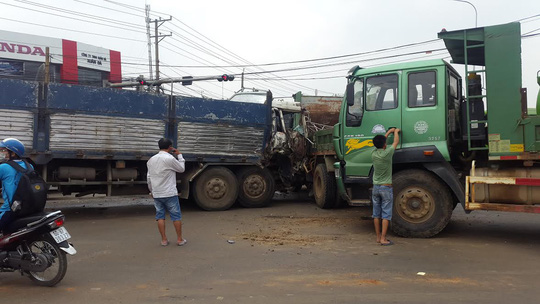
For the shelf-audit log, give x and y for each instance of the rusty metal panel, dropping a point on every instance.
(322, 109)
(504, 207)
(202, 139)
(499, 186)
(18, 124)
(104, 133)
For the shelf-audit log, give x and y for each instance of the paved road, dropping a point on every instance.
(291, 252)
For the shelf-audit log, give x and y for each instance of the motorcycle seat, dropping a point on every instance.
(23, 221)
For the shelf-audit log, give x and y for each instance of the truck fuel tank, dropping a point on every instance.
(89, 173)
(76, 173)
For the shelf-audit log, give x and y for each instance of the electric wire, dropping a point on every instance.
(84, 15)
(526, 35)
(526, 18)
(72, 18)
(215, 45)
(72, 30)
(109, 8)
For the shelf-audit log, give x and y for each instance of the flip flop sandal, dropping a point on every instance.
(387, 244)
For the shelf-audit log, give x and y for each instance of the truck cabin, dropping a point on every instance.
(426, 100)
(421, 98)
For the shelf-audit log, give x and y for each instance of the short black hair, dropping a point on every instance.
(379, 141)
(164, 143)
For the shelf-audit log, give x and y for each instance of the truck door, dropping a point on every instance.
(423, 116)
(376, 109)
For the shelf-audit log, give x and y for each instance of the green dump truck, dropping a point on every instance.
(464, 140)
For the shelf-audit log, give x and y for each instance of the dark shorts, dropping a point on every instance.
(6, 217)
(383, 199)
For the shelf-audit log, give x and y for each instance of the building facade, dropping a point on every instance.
(22, 56)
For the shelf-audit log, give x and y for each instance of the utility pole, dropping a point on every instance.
(149, 40)
(242, 84)
(157, 36)
(47, 65)
(46, 75)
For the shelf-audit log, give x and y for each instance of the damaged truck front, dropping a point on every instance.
(301, 148)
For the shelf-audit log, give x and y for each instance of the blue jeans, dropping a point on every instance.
(171, 204)
(383, 200)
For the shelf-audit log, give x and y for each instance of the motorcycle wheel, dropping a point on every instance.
(56, 258)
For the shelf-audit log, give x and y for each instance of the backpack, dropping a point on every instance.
(31, 193)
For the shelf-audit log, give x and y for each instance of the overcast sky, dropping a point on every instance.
(214, 37)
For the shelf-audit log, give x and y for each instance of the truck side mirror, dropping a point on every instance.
(350, 94)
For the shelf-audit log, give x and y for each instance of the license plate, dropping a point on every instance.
(61, 234)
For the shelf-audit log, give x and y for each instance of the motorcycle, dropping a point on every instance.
(37, 245)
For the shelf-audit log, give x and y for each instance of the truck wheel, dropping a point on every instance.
(324, 187)
(422, 204)
(216, 189)
(256, 187)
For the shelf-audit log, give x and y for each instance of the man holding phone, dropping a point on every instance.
(161, 179)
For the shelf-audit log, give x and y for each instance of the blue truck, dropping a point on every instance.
(88, 140)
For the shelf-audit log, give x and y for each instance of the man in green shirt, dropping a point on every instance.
(383, 195)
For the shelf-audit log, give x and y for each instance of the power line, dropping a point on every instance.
(76, 13)
(219, 47)
(530, 36)
(127, 6)
(112, 9)
(322, 58)
(213, 44)
(67, 17)
(311, 66)
(342, 71)
(71, 30)
(526, 18)
(227, 55)
(535, 30)
(197, 46)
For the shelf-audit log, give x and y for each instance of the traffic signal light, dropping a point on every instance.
(188, 80)
(141, 81)
(226, 77)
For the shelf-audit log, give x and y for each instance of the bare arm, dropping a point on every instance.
(390, 131)
(396, 138)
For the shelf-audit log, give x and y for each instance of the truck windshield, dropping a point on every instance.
(251, 97)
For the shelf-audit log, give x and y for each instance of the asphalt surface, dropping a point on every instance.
(290, 252)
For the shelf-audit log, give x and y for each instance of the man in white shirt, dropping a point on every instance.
(161, 179)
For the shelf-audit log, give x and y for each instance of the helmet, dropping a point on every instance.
(14, 145)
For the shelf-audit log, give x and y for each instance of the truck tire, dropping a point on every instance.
(422, 204)
(256, 187)
(324, 187)
(216, 189)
